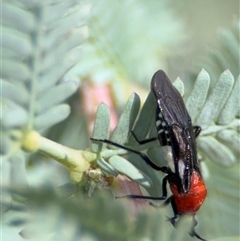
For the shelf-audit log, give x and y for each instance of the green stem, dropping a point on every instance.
(77, 161)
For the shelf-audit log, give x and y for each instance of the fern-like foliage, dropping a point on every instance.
(226, 56)
(222, 122)
(40, 43)
(116, 47)
(76, 217)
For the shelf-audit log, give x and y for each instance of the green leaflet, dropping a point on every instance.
(15, 93)
(126, 120)
(51, 76)
(18, 171)
(231, 139)
(60, 92)
(14, 175)
(216, 100)
(101, 127)
(198, 95)
(52, 115)
(220, 61)
(17, 42)
(216, 151)
(19, 18)
(146, 119)
(6, 181)
(232, 105)
(230, 42)
(14, 70)
(125, 167)
(107, 168)
(178, 84)
(11, 110)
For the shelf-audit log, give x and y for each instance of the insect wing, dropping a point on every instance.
(175, 129)
(169, 100)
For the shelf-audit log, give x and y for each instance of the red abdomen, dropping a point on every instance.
(191, 201)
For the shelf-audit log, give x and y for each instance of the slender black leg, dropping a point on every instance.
(142, 155)
(193, 232)
(143, 141)
(175, 211)
(163, 197)
(161, 137)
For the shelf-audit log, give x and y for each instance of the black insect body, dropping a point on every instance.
(177, 138)
(175, 130)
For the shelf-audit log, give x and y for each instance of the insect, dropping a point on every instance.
(177, 137)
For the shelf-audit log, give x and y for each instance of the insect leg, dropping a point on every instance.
(175, 211)
(193, 232)
(143, 141)
(163, 197)
(161, 137)
(142, 155)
